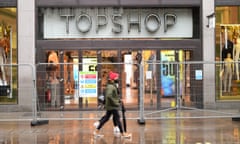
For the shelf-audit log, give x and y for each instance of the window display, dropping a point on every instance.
(4, 48)
(8, 55)
(228, 52)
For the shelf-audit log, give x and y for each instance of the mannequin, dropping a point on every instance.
(53, 67)
(68, 73)
(228, 71)
(53, 75)
(152, 68)
(236, 54)
(227, 48)
(4, 47)
(2, 61)
(151, 60)
(138, 59)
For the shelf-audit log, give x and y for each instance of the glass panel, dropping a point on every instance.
(108, 56)
(171, 87)
(149, 58)
(130, 78)
(8, 40)
(70, 69)
(52, 84)
(227, 49)
(68, 72)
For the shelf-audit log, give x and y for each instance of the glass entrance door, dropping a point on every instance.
(130, 78)
(174, 77)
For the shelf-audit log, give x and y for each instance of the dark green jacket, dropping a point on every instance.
(111, 97)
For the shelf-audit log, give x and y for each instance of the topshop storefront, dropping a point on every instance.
(115, 32)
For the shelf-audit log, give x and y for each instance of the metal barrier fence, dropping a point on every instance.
(159, 90)
(200, 90)
(17, 92)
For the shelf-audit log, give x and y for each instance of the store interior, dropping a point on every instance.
(69, 63)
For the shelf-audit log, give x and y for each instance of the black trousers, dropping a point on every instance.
(114, 122)
(116, 119)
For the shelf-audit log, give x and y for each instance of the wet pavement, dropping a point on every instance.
(155, 131)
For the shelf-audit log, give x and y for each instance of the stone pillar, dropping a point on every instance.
(26, 52)
(208, 55)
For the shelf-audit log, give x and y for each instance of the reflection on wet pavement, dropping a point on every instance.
(169, 131)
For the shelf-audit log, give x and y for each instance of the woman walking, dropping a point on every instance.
(112, 106)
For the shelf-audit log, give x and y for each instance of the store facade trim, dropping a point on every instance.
(227, 2)
(108, 44)
(8, 3)
(119, 3)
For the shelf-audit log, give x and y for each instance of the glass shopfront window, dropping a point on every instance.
(8, 50)
(228, 51)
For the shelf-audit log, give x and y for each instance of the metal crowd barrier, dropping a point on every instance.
(17, 92)
(181, 97)
(190, 99)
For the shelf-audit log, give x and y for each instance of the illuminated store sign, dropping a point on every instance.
(117, 23)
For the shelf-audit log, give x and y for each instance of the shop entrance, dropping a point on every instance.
(174, 78)
(159, 80)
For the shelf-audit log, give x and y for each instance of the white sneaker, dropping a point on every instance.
(127, 136)
(116, 131)
(96, 124)
(97, 134)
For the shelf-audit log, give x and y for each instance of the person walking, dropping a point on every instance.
(112, 106)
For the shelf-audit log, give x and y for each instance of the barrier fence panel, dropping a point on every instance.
(159, 90)
(71, 90)
(17, 92)
(192, 90)
(150, 90)
(174, 86)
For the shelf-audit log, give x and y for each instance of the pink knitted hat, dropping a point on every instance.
(113, 76)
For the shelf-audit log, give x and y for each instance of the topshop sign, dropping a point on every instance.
(117, 23)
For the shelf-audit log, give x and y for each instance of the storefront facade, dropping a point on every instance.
(115, 32)
(85, 31)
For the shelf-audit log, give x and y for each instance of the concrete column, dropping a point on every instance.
(208, 8)
(26, 52)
